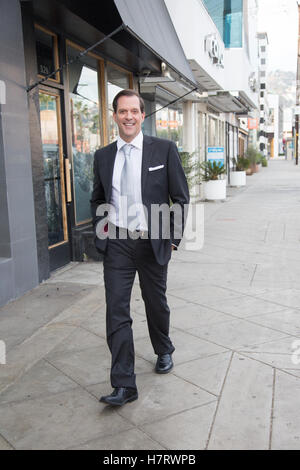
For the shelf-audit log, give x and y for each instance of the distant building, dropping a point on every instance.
(263, 102)
(275, 126)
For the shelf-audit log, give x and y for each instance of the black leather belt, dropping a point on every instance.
(124, 233)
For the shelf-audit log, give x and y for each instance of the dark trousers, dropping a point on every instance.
(121, 262)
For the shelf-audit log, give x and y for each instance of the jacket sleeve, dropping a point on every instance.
(179, 194)
(98, 194)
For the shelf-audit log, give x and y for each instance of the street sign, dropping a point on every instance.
(252, 123)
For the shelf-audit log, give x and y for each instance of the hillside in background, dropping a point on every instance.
(283, 83)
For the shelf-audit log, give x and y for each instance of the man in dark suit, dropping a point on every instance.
(133, 177)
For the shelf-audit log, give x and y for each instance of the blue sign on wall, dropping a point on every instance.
(215, 154)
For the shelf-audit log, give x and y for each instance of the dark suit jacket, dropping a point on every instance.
(158, 187)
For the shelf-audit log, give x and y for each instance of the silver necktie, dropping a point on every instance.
(127, 189)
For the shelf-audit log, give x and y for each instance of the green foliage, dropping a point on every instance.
(253, 155)
(258, 158)
(264, 161)
(211, 170)
(191, 168)
(241, 163)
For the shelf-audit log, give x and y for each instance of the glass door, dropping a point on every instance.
(54, 178)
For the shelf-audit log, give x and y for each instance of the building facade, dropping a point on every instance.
(62, 62)
(263, 95)
(56, 110)
(221, 47)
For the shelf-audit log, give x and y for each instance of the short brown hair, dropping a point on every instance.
(128, 93)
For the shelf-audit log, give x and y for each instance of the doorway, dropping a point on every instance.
(54, 178)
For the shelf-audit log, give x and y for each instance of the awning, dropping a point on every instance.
(150, 22)
(205, 81)
(148, 37)
(229, 102)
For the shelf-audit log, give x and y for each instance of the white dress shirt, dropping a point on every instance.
(115, 216)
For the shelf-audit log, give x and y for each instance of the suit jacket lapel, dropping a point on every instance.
(146, 160)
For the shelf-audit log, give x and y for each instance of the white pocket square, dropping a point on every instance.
(153, 168)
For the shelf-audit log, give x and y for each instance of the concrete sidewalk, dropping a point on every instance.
(235, 315)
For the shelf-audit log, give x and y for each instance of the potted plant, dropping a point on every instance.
(238, 175)
(264, 162)
(251, 154)
(214, 186)
(258, 160)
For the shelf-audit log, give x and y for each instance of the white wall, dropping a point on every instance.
(193, 24)
(239, 70)
(287, 120)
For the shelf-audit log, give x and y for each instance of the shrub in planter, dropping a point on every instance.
(211, 170)
(254, 158)
(241, 163)
(264, 162)
(251, 155)
(215, 187)
(238, 175)
(258, 160)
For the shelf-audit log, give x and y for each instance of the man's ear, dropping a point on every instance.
(114, 116)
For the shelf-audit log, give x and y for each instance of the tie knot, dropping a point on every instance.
(127, 149)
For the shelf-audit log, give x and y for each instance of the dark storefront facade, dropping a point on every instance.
(49, 132)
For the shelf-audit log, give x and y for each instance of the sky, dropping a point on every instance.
(279, 18)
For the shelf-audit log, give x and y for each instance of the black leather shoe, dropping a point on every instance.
(120, 396)
(164, 364)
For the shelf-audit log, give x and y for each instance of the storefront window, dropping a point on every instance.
(169, 124)
(117, 80)
(212, 132)
(85, 124)
(221, 135)
(201, 135)
(46, 51)
(216, 136)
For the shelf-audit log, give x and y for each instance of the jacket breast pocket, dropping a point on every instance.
(157, 177)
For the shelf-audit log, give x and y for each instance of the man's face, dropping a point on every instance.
(129, 117)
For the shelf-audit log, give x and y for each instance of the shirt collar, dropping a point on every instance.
(136, 142)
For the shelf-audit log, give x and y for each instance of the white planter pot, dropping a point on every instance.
(238, 178)
(215, 189)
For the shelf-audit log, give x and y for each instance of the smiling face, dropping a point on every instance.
(129, 117)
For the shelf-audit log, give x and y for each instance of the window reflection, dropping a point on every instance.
(117, 80)
(169, 124)
(57, 231)
(84, 107)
